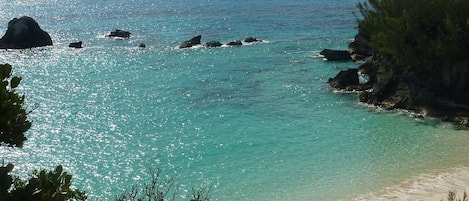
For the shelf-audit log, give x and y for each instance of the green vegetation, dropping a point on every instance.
(421, 37)
(42, 186)
(419, 33)
(13, 117)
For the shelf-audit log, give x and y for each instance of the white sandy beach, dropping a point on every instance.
(425, 187)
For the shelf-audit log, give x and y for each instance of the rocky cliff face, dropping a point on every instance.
(442, 93)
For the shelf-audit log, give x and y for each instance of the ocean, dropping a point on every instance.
(254, 122)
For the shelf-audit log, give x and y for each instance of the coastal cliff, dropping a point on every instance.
(418, 65)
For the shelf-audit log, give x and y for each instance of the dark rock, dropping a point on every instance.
(397, 95)
(235, 43)
(119, 33)
(189, 43)
(367, 69)
(392, 90)
(440, 93)
(24, 33)
(359, 48)
(78, 44)
(345, 79)
(251, 40)
(463, 122)
(142, 45)
(336, 55)
(357, 57)
(213, 43)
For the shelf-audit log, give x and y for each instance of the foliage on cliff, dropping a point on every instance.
(420, 56)
(419, 33)
(422, 37)
(13, 119)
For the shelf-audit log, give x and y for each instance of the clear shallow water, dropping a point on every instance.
(256, 122)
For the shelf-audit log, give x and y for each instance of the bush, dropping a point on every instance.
(13, 120)
(41, 186)
(420, 35)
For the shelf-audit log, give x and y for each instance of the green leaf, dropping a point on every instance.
(59, 169)
(5, 71)
(15, 81)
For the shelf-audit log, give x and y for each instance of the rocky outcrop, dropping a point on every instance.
(348, 80)
(119, 33)
(196, 41)
(423, 92)
(213, 43)
(359, 48)
(78, 44)
(235, 43)
(251, 40)
(336, 55)
(344, 79)
(24, 33)
(190, 43)
(437, 89)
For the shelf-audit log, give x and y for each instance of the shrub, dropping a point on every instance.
(420, 35)
(13, 118)
(41, 186)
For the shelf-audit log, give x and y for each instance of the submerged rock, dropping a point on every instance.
(192, 42)
(24, 33)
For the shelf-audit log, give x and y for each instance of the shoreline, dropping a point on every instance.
(425, 187)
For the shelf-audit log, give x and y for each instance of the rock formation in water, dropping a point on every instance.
(24, 33)
(235, 43)
(336, 55)
(78, 44)
(440, 94)
(119, 33)
(190, 43)
(213, 43)
(251, 40)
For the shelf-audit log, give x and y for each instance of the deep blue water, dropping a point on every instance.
(256, 122)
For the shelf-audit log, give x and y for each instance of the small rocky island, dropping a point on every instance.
(24, 33)
(119, 34)
(422, 70)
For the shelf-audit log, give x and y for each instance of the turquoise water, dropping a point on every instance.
(256, 122)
